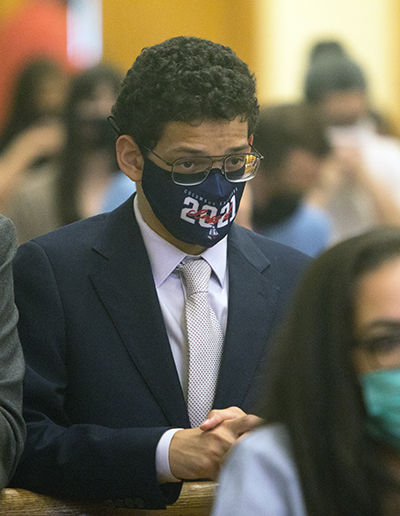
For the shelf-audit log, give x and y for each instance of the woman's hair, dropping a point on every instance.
(83, 87)
(184, 79)
(314, 388)
(24, 111)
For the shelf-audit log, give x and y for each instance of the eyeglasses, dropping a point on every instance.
(192, 171)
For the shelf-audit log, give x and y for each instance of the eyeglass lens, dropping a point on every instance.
(238, 167)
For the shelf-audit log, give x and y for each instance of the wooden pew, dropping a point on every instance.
(195, 500)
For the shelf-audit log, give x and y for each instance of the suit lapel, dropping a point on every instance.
(124, 282)
(252, 304)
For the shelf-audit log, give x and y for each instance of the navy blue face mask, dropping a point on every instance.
(201, 214)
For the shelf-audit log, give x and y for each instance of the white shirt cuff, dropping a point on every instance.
(164, 474)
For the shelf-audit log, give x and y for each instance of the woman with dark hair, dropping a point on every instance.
(77, 186)
(88, 159)
(39, 96)
(331, 442)
(34, 133)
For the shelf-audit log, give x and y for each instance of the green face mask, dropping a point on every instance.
(381, 391)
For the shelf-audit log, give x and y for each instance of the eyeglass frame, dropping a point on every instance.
(255, 153)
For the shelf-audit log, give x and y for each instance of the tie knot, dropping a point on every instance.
(197, 276)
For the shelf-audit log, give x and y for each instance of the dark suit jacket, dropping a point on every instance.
(101, 385)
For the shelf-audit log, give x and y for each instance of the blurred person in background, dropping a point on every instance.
(32, 30)
(331, 440)
(361, 187)
(40, 96)
(34, 132)
(77, 185)
(294, 146)
(339, 86)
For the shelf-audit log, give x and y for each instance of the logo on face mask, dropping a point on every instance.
(201, 214)
(208, 216)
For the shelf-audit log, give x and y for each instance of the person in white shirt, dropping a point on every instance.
(360, 186)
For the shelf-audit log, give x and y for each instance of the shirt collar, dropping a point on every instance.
(165, 257)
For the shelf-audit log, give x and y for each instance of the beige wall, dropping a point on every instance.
(131, 25)
(370, 29)
(272, 36)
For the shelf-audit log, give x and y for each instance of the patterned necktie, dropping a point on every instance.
(205, 341)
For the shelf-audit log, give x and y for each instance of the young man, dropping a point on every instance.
(110, 405)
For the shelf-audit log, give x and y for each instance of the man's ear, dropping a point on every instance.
(250, 139)
(129, 157)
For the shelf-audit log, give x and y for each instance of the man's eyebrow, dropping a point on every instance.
(241, 148)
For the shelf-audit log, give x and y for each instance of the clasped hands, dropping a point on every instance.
(199, 452)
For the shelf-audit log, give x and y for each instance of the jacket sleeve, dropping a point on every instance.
(12, 426)
(62, 458)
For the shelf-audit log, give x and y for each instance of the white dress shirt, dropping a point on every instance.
(164, 258)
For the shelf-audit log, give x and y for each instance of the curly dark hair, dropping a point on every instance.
(184, 79)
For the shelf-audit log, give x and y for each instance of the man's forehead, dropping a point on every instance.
(203, 134)
(200, 127)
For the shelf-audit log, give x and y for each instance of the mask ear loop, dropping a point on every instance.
(116, 128)
(111, 120)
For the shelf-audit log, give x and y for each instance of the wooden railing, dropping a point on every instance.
(196, 499)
